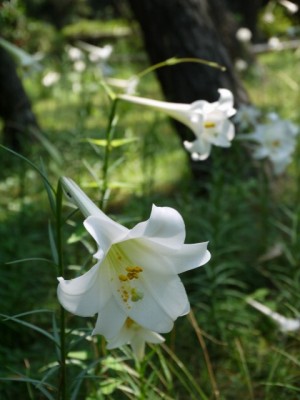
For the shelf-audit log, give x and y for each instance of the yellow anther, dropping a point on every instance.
(129, 322)
(134, 269)
(123, 278)
(132, 275)
(276, 143)
(209, 124)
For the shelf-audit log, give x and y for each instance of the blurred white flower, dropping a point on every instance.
(243, 35)
(275, 43)
(209, 121)
(246, 117)
(132, 85)
(283, 323)
(272, 116)
(241, 65)
(50, 78)
(136, 336)
(95, 53)
(27, 61)
(275, 140)
(127, 85)
(136, 275)
(79, 66)
(268, 17)
(74, 53)
(290, 6)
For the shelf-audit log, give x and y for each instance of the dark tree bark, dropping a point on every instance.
(15, 107)
(190, 28)
(247, 11)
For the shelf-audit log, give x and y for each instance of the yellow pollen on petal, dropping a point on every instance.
(129, 322)
(123, 278)
(276, 143)
(209, 124)
(133, 272)
(124, 294)
(126, 290)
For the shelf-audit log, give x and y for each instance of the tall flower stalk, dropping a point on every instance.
(62, 324)
(107, 150)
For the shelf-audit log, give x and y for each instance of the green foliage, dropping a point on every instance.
(86, 28)
(275, 20)
(21, 30)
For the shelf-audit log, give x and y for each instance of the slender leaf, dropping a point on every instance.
(31, 326)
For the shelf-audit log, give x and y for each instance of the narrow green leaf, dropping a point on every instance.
(51, 196)
(30, 259)
(50, 148)
(35, 383)
(113, 143)
(31, 326)
(30, 163)
(52, 244)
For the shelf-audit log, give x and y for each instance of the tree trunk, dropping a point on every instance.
(190, 28)
(15, 107)
(247, 12)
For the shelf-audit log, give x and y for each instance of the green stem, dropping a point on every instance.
(62, 384)
(174, 61)
(105, 166)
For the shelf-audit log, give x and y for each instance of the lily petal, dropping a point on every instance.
(135, 335)
(164, 226)
(199, 148)
(225, 102)
(110, 319)
(190, 256)
(105, 232)
(84, 295)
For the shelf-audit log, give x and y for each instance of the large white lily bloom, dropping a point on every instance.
(136, 274)
(209, 121)
(136, 336)
(275, 140)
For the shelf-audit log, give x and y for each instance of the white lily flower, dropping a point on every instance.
(79, 66)
(275, 140)
(136, 275)
(290, 6)
(127, 85)
(243, 34)
(136, 336)
(246, 117)
(96, 53)
(283, 323)
(209, 121)
(74, 53)
(50, 78)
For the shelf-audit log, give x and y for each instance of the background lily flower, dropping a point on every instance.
(275, 140)
(136, 275)
(283, 323)
(247, 117)
(136, 336)
(209, 121)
